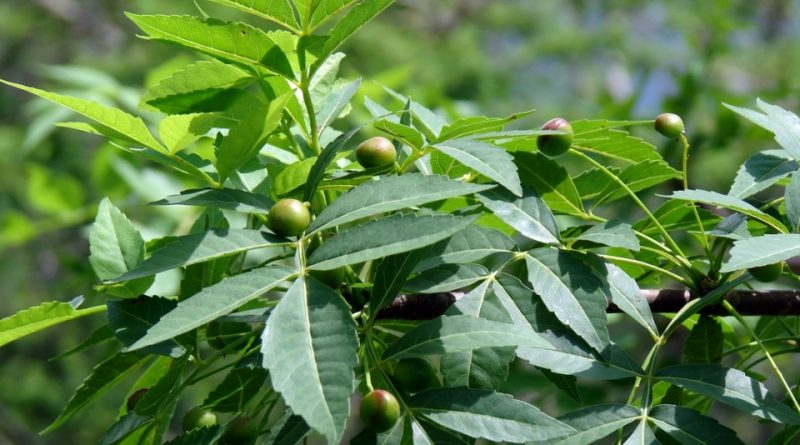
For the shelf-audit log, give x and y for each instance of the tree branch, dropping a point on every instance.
(776, 302)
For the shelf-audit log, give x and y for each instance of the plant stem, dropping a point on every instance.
(685, 171)
(728, 307)
(312, 115)
(645, 265)
(673, 245)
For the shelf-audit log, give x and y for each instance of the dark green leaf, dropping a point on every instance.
(391, 275)
(459, 333)
(124, 427)
(760, 171)
(469, 245)
(595, 422)
(236, 390)
(529, 215)
(732, 387)
(571, 291)
(104, 376)
(199, 436)
(551, 180)
(224, 198)
(384, 237)
(488, 415)
(309, 348)
(130, 320)
(792, 201)
(214, 302)
(201, 247)
(637, 177)
(612, 233)
(704, 343)
(446, 277)
(487, 159)
(288, 430)
(690, 427)
(388, 194)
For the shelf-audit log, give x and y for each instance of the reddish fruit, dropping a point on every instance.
(555, 144)
(669, 124)
(379, 410)
(289, 217)
(376, 152)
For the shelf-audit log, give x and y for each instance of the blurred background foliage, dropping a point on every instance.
(620, 59)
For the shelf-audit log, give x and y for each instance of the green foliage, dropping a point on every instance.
(464, 204)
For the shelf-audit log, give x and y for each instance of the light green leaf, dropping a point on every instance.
(760, 171)
(571, 291)
(351, 22)
(457, 333)
(529, 215)
(792, 202)
(201, 247)
(224, 198)
(467, 126)
(41, 316)
(637, 177)
(488, 415)
(731, 387)
(487, 159)
(213, 302)
(595, 422)
(104, 376)
(317, 171)
(309, 348)
(116, 246)
(204, 86)
(762, 250)
(131, 318)
(388, 194)
(598, 136)
(720, 200)
(404, 133)
(278, 11)
(384, 237)
(236, 390)
(232, 41)
(613, 233)
(642, 435)
(690, 427)
(334, 103)
(551, 180)
(178, 131)
(118, 122)
(245, 139)
(325, 9)
(784, 124)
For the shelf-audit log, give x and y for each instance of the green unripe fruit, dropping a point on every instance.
(555, 144)
(222, 333)
(241, 431)
(379, 410)
(415, 374)
(376, 152)
(669, 124)
(135, 397)
(768, 273)
(198, 417)
(289, 217)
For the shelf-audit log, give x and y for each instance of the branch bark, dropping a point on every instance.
(776, 302)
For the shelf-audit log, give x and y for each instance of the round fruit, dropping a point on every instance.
(241, 431)
(376, 152)
(415, 374)
(222, 333)
(198, 417)
(379, 410)
(332, 278)
(669, 124)
(135, 397)
(555, 144)
(768, 273)
(289, 217)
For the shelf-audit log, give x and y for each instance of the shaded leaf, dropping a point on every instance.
(446, 277)
(595, 422)
(278, 11)
(236, 390)
(690, 427)
(224, 198)
(613, 233)
(130, 320)
(729, 202)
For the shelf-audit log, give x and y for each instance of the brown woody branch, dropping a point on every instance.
(776, 302)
